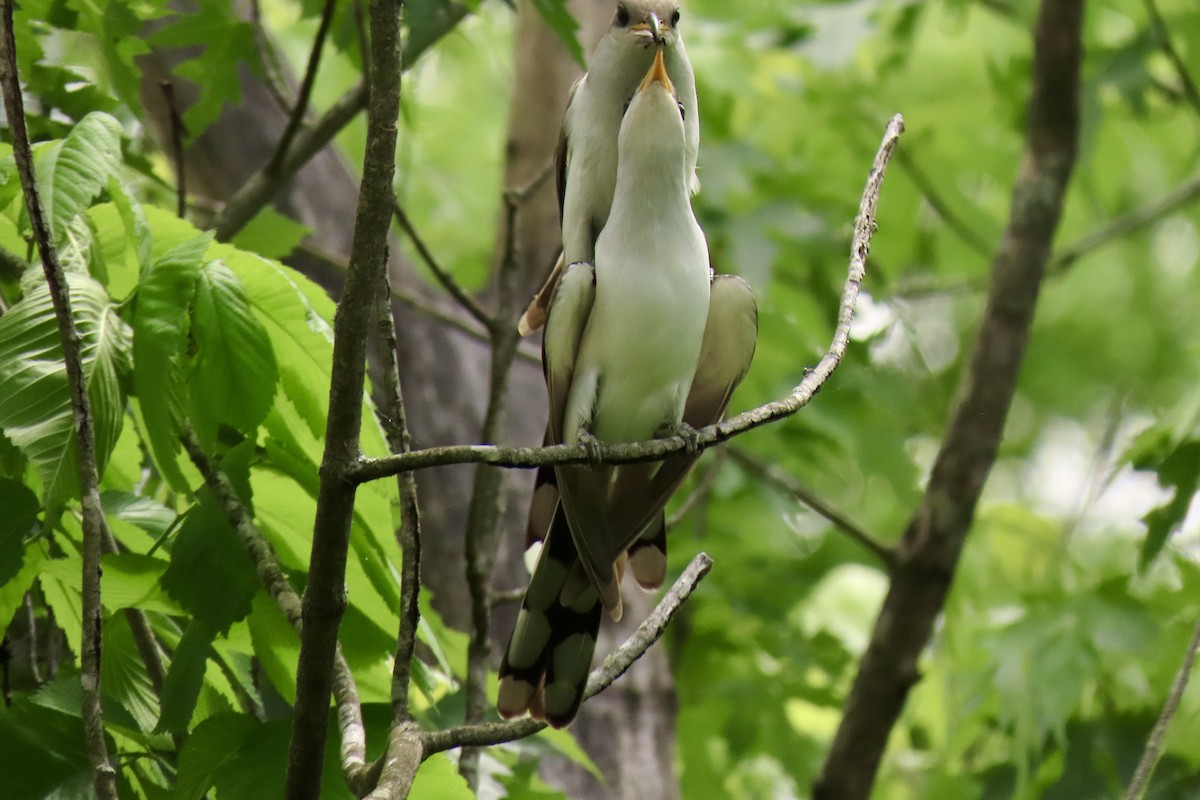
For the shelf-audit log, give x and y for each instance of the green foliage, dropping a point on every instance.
(1077, 589)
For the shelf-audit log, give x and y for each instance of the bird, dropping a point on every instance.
(643, 342)
(586, 157)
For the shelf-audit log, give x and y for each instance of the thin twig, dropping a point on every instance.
(700, 490)
(35, 671)
(261, 187)
(273, 579)
(601, 677)
(296, 117)
(178, 131)
(408, 535)
(104, 775)
(1154, 745)
(1182, 195)
(1136, 220)
(625, 453)
(790, 485)
(945, 210)
(448, 281)
(1168, 47)
(272, 68)
(483, 515)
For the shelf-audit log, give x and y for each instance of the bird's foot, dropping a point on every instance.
(592, 445)
(690, 436)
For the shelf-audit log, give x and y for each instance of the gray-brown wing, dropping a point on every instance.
(730, 335)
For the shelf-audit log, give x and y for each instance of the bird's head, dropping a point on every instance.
(653, 121)
(646, 22)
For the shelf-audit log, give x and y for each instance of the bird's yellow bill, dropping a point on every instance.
(657, 74)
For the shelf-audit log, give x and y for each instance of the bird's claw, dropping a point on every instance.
(689, 435)
(592, 445)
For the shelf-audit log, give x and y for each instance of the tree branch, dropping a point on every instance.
(409, 534)
(629, 452)
(448, 282)
(104, 775)
(483, 515)
(789, 485)
(928, 552)
(325, 592)
(272, 578)
(1154, 745)
(262, 186)
(603, 676)
(300, 108)
(1168, 48)
(969, 236)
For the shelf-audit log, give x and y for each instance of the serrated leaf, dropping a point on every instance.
(17, 522)
(215, 742)
(73, 172)
(12, 591)
(558, 17)
(43, 748)
(123, 676)
(438, 777)
(227, 42)
(233, 375)
(185, 677)
(206, 552)
(276, 644)
(148, 514)
(131, 580)
(35, 400)
(271, 234)
(1178, 470)
(161, 331)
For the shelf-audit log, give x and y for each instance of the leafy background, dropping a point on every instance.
(1079, 584)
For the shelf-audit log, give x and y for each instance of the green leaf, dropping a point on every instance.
(271, 234)
(12, 591)
(185, 677)
(73, 172)
(132, 580)
(215, 742)
(233, 376)
(1178, 470)
(161, 332)
(17, 523)
(276, 644)
(438, 777)
(123, 676)
(227, 44)
(149, 515)
(35, 400)
(205, 550)
(556, 15)
(43, 748)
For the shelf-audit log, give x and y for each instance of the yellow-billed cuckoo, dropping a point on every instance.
(643, 341)
(586, 159)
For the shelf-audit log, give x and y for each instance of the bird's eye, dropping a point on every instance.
(622, 16)
(675, 18)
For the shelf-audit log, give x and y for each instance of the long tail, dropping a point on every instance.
(547, 660)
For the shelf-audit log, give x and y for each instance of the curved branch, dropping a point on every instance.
(1145, 768)
(928, 552)
(629, 452)
(603, 676)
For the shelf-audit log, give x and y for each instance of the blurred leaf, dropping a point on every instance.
(558, 17)
(35, 401)
(18, 523)
(185, 677)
